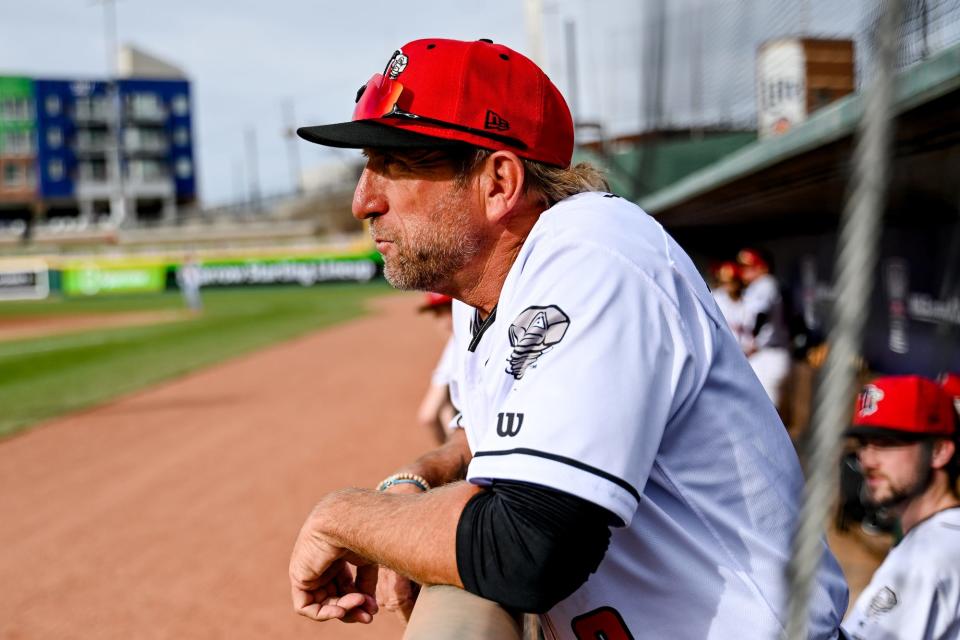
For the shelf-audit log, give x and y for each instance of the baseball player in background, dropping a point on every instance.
(770, 354)
(728, 293)
(905, 431)
(615, 468)
(436, 411)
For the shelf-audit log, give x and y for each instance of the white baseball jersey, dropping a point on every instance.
(607, 372)
(738, 317)
(915, 594)
(762, 296)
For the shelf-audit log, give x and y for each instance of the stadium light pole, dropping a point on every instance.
(293, 147)
(118, 203)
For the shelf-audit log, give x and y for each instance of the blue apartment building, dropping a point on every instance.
(65, 166)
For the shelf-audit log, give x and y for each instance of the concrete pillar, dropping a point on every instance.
(86, 210)
(169, 210)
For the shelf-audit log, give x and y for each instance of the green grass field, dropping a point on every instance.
(41, 378)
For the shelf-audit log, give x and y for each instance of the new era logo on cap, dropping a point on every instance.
(494, 121)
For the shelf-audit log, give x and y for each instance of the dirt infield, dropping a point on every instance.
(171, 513)
(39, 326)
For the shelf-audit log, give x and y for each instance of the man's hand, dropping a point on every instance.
(322, 584)
(360, 527)
(396, 593)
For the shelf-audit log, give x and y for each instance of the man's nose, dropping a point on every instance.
(867, 456)
(368, 198)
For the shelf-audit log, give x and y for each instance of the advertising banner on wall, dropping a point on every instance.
(95, 278)
(304, 271)
(92, 277)
(24, 279)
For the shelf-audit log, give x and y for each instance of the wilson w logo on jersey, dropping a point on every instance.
(508, 424)
(535, 331)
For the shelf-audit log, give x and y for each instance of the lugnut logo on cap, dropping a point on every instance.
(396, 65)
(870, 398)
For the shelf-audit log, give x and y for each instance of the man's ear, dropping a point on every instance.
(501, 184)
(943, 450)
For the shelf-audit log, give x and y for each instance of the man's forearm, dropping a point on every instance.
(445, 464)
(415, 535)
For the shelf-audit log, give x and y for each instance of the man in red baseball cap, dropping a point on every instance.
(769, 352)
(612, 467)
(905, 430)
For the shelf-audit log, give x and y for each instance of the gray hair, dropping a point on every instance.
(552, 184)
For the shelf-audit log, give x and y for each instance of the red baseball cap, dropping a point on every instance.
(951, 385)
(727, 271)
(751, 258)
(433, 300)
(903, 406)
(438, 93)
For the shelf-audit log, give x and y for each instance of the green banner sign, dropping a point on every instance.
(93, 279)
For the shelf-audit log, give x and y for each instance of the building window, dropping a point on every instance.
(18, 142)
(52, 104)
(143, 139)
(15, 109)
(145, 106)
(181, 137)
(14, 175)
(180, 105)
(93, 171)
(54, 137)
(184, 168)
(55, 169)
(146, 171)
(93, 108)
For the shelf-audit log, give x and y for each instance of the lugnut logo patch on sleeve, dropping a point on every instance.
(535, 331)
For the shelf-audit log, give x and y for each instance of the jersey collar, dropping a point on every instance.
(478, 327)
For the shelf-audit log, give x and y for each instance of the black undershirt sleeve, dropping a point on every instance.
(528, 547)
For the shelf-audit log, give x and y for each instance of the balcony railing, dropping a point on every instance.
(93, 112)
(146, 113)
(146, 147)
(95, 146)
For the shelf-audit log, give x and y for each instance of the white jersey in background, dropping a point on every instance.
(770, 359)
(738, 318)
(915, 594)
(607, 372)
(765, 304)
(443, 372)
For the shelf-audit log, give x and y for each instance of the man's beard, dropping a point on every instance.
(431, 252)
(899, 495)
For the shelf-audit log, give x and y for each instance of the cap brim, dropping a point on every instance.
(361, 134)
(883, 432)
